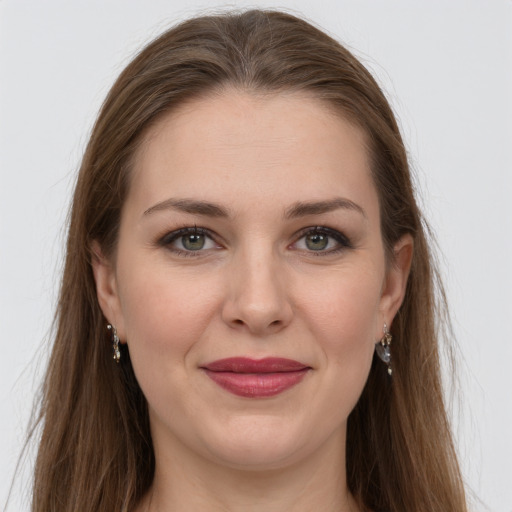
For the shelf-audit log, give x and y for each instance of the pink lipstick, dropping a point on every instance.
(256, 378)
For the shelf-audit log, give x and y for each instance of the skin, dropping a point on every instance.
(255, 289)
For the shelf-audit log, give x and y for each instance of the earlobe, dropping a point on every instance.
(106, 288)
(396, 278)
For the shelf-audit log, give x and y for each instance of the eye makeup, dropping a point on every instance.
(321, 241)
(193, 241)
(189, 241)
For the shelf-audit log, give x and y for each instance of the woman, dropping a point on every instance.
(244, 237)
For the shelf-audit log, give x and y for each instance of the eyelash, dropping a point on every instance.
(343, 241)
(171, 237)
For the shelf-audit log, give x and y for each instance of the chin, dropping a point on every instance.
(257, 444)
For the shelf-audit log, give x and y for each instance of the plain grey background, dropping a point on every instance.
(446, 67)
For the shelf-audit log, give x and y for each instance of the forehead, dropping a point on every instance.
(235, 145)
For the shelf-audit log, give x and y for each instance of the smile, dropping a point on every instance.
(252, 378)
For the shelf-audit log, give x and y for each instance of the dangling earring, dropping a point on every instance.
(383, 349)
(115, 343)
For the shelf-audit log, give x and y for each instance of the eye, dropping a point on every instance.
(189, 240)
(317, 241)
(322, 240)
(193, 242)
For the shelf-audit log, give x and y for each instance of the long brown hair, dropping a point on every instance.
(95, 451)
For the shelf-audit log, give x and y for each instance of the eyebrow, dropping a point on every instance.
(296, 210)
(302, 209)
(190, 206)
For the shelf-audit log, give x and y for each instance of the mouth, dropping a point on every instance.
(256, 378)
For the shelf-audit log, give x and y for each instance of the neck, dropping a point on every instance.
(185, 481)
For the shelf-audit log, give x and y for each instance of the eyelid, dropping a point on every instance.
(170, 237)
(343, 241)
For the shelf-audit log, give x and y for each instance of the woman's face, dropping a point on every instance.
(251, 230)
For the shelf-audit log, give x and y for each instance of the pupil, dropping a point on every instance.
(317, 242)
(193, 242)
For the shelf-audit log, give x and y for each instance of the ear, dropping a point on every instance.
(393, 291)
(106, 289)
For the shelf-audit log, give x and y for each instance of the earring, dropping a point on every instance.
(115, 343)
(383, 349)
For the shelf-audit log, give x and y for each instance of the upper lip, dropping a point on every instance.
(247, 365)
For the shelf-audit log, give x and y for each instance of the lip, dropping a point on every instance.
(256, 378)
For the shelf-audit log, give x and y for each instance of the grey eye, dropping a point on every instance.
(193, 242)
(322, 240)
(189, 240)
(316, 241)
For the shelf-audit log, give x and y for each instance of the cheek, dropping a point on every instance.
(346, 309)
(343, 318)
(165, 314)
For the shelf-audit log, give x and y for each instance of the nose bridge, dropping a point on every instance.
(258, 298)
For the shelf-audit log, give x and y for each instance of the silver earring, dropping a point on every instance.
(115, 343)
(382, 347)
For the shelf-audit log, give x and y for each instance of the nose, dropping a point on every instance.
(258, 295)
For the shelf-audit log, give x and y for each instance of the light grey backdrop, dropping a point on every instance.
(447, 68)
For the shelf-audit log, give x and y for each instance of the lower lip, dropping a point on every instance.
(257, 385)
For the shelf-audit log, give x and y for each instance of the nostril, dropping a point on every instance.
(257, 314)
